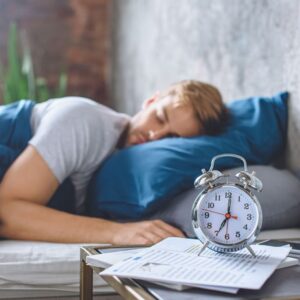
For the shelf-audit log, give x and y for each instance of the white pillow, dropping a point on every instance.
(280, 201)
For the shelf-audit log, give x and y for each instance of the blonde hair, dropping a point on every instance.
(206, 101)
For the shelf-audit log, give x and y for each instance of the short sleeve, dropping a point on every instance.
(63, 138)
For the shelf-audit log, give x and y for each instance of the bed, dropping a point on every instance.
(38, 270)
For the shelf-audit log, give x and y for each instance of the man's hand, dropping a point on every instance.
(143, 233)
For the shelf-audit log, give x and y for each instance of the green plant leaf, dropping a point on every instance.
(18, 81)
(27, 66)
(13, 74)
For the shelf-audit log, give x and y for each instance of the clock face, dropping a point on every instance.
(227, 215)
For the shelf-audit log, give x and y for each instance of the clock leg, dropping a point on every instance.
(251, 250)
(203, 248)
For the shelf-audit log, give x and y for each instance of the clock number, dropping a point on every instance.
(228, 195)
(249, 217)
(209, 225)
(206, 215)
(211, 205)
(239, 199)
(245, 227)
(217, 197)
(237, 234)
(246, 206)
(227, 236)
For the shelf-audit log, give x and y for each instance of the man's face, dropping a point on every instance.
(161, 118)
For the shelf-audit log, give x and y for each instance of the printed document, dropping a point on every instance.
(175, 261)
(108, 259)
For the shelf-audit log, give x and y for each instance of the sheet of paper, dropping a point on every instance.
(288, 262)
(174, 261)
(108, 259)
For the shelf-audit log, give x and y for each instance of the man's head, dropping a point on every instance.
(185, 109)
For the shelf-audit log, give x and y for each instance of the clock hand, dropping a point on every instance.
(234, 217)
(213, 211)
(222, 225)
(227, 227)
(229, 205)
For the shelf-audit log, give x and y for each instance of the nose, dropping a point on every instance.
(157, 134)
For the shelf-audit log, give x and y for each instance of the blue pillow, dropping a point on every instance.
(136, 181)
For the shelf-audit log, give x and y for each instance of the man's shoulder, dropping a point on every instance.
(79, 113)
(81, 104)
(72, 101)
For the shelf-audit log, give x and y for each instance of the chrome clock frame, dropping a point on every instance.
(220, 247)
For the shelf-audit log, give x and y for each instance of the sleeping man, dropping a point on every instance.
(71, 137)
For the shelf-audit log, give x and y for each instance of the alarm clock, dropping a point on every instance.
(226, 216)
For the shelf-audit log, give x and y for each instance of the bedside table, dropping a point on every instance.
(284, 284)
(126, 288)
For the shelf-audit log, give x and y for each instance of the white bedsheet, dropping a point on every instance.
(26, 265)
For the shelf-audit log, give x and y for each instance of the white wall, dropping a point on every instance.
(244, 47)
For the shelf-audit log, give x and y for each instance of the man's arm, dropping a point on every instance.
(26, 189)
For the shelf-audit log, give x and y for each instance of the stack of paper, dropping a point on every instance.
(175, 262)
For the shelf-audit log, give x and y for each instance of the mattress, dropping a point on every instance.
(39, 269)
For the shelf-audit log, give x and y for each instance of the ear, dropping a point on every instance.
(150, 100)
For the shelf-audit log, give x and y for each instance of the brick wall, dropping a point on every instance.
(70, 35)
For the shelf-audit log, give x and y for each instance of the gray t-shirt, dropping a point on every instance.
(74, 135)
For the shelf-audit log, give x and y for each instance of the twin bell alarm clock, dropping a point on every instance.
(226, 216)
